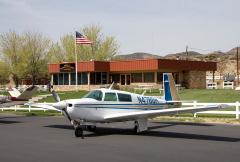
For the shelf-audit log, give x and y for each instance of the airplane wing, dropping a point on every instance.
(154, 113)
(14, 92)
(47, 106)
(12, 103)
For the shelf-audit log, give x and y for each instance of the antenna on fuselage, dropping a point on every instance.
(111, 85)
(144, 92)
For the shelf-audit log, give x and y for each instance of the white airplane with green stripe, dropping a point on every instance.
(108, 105)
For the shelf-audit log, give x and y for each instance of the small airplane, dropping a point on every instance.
(108, 105)
(16, 97)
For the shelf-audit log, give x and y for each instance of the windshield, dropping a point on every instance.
(97, 95)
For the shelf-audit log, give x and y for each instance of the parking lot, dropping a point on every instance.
(52, 139)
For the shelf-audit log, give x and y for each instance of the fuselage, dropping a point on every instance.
(102, 102)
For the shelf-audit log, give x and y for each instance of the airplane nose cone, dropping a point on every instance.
(60, 105)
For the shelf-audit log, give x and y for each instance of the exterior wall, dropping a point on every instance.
(192, 74)
(136, 65)
(194, 79)
(187, 65)
(53, 68)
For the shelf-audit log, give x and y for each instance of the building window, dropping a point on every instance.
(124, 97)
(66, 78)
(148, 77)
(92, 78)
(73, 79)
(176, 77)
(114, 78)
(159, 77)
(136, 77)
(79, 78)
(98, 76)
(55, 79)
(84, 79)
(110, 97)
(104, 78)
(60, 78)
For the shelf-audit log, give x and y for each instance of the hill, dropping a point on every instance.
(226, 60)
(136, 56)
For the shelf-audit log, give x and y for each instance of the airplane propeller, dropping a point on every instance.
(61, 105)
(56, 96)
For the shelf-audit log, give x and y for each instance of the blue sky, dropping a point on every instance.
(154, 26)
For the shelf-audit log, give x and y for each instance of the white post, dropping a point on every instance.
(44, 109)
(29, 108)
(237, 110)
(195, 105)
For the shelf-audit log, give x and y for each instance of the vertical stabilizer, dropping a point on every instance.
(170, 90)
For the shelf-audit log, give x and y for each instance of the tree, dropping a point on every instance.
(34, 51)
(221, 67)
(10, 45)
(4, 73)
(103, 47)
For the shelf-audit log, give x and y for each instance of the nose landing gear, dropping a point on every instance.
(79, 132)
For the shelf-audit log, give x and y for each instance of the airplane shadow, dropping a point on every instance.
(183, 123)
(8, 121)
(3, 121)
(70, 127)
(105, 131)
(168, 124)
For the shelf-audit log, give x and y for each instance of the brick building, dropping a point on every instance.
(91, 74)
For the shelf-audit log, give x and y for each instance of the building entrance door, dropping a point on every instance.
(125, 79)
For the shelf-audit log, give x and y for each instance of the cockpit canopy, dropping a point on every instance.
(109, 96)
(96, 94)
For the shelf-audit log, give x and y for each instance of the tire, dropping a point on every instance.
(91, 128)
(135, 129)
(78, 132)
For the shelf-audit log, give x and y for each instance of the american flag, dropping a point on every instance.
(80, 39)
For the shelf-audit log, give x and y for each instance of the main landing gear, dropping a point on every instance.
(140, 125)
(79, 128)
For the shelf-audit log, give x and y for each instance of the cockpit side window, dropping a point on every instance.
(110, 96)
(124, 97)
(97, 95)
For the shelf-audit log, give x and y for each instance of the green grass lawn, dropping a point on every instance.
(210, 95)
(66, 95)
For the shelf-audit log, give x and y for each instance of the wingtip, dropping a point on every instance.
(223, 106)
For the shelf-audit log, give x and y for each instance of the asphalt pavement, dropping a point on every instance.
(36, 139)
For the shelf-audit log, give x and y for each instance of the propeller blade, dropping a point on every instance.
(55, 96)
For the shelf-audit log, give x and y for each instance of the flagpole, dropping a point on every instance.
(76, 64)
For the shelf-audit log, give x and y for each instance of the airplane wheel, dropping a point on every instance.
(78, 132)
(135, 129)
(91, 128)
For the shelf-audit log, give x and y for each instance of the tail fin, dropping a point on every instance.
(27, 93)
(169, 88)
